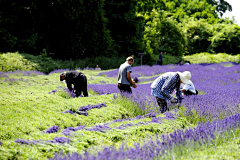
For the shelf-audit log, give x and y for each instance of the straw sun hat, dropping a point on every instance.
(185, 77)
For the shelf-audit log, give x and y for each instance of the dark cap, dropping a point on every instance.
(61, 76)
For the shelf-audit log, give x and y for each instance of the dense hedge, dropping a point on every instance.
(80, 29)
(27, 62)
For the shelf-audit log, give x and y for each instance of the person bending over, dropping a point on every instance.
(188, 89)
(78, 80)
(164, 85)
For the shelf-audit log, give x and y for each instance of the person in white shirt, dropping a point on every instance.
(188, 89)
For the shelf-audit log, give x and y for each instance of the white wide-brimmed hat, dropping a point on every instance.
(185, 77)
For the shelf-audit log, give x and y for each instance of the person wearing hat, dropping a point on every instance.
(78, 80)
(164, 85)
(124, 76)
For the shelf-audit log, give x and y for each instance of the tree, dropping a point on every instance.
(125, 26)
(221, 6)
(162, 34)
(66, 29)
(197, 34)
(225, 39)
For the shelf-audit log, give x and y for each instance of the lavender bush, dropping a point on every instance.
(203, 133)
(83, 109)
(89, 107)
(67, 131)
(52, 129)
(55, 140)
(212, 79)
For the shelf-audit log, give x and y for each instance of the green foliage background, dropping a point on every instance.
(27, 62)
(81, 29)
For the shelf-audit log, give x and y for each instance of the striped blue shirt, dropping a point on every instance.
(164, 85)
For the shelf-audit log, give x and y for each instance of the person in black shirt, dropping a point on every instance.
(78, 79)
(160, 61)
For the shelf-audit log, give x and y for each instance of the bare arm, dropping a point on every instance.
(130, 79)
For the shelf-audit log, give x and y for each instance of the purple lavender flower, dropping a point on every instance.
(58, 71)
(67, 131)
(169, 115)
(71, 93)
(55, 140)
(85, 113)
(89, 107)
(23, 141)
(71, 112)
(83, 109)
(3, 75)
(53, 91)
(136, 79)
(150, 115)
(61, 140)
(52, 129)
(152, 149)
(26, 73)
(104, 88)
(156, 120)
(1, 143)
(99, 128)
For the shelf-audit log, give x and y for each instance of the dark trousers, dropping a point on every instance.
(162, 103)
(159, 62)
(189, 93)
(124, 88)
(81, 86)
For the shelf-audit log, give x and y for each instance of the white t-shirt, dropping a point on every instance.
(188, 87)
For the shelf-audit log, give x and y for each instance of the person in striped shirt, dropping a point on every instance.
(164, 85)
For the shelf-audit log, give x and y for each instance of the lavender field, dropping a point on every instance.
(40, 119)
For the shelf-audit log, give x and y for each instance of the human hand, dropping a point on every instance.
(134, 86)
(134, 83)
(174, 100)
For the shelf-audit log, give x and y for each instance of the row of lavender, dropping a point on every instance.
(219, 84)
(219, 88)
(145, 70)
(157, 146)
(218, 103)
(97, 128)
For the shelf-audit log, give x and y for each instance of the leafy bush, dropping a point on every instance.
(226, 38)
(212, 58)
(15, 61)
(162, 34)
(197, 34)
(26, 62)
